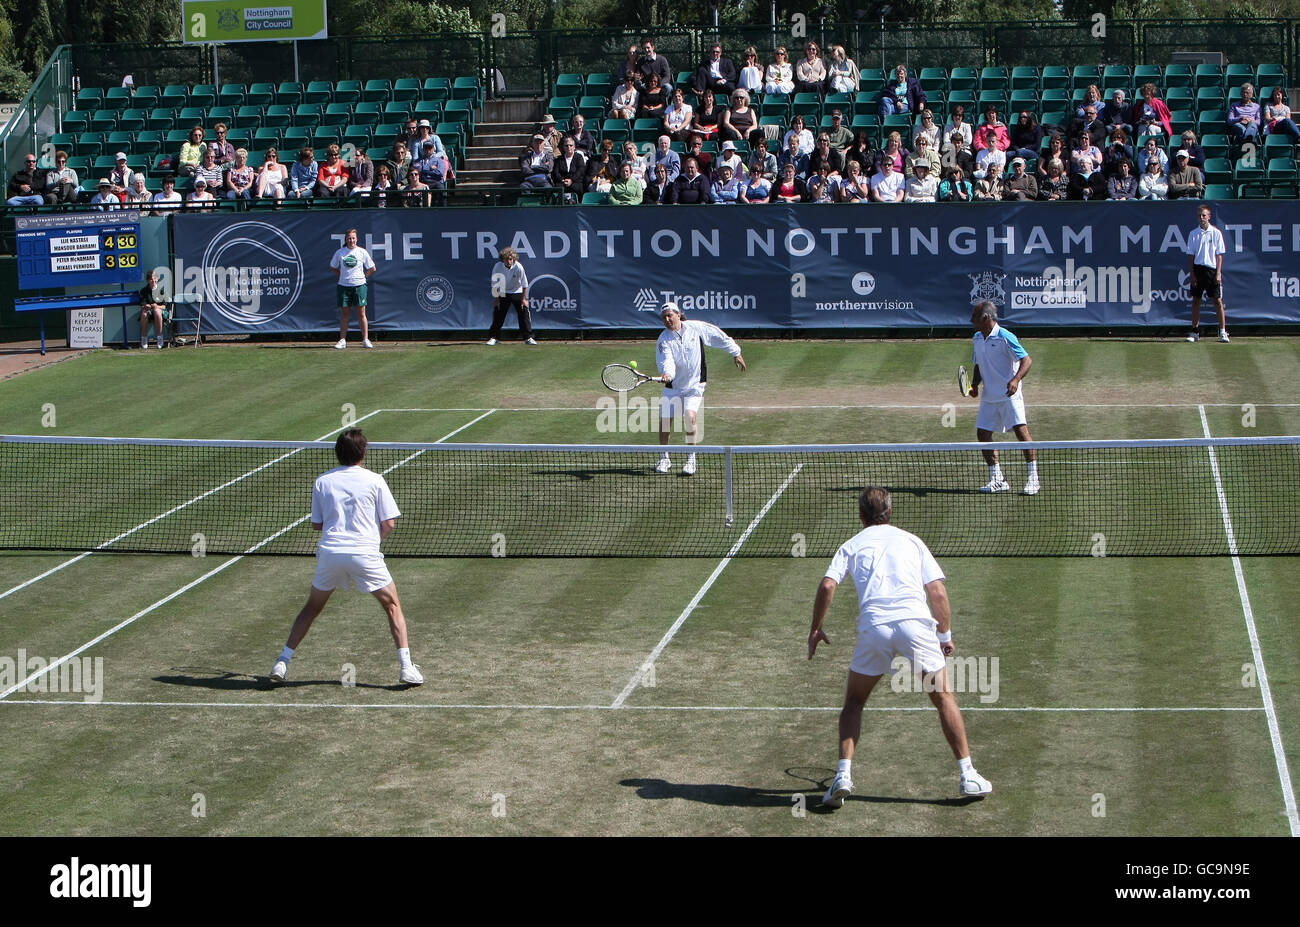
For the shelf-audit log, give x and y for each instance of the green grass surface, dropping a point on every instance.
(526, 657)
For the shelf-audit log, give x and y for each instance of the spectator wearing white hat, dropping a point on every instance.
(106, 199)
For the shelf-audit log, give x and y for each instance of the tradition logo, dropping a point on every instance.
(646, 300)
(988, 285)
(435, 293)
(273, 267)
(228, 19)
(863, 283)
(548, 293)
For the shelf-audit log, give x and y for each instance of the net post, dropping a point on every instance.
(727, 482)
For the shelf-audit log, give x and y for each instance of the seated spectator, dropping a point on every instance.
(61, 183)
(810, 73)
(303, 175)
(730, 157)
(382, 193)
(799, 129)
(762, 161)
(665, 155)
(1151, 116)
(989, 155)
(740, 122)
(841, 137)
(705, 120)
(1055, 186)
(1020, 185)
(756, 189)
(332, 176)
(120, 176)
(624, 104)
(138, 196)
(239, 179)
(1152, 149)
(779, 77)
(1243, 118)
(690, 187)
(726, 189)
(627, 72)
(199, 198)
(1026, 136)
(602, 169)
(550, 132)
(104, 200)
(1002, 140)
(957, 124)
(536, 164)
(924, 152)
(1185, 181)
(860, 151)
(1154, 183)
(211, 173)
(191, 153)
(153, 308)
(361, 175)
(627, 190)
(842, 73)
(751, 73)
(1089, 123)
(921, 186)
(1117, 152)
(1122, 185)
(1195, 153)
(652, 64)
(677, 117)
(1055, 151)
(895, 153)
(416, 193)
(823, 186)
(1277, 117)
(888, 185)
(1086, 179)
(956, 188)
(167, 199)
(570, 171)
(583, 140)
(790, 188)
(928, 130)
(399, 161)
(653, 99)
(27, 186)
(715, 73)
(989, 188)
(902, 94)
(223, 150)
(792, 155)
(853, 186)
(272, 178)
(959, 154)
(1117, 114)
(657, 190)
(411, 137)
(1091, 98)
(695, 148)
(823, 152)
(639, 162)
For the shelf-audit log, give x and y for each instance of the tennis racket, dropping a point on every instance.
(621, 378)
(963, 380)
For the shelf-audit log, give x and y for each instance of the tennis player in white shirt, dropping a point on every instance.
(680, 356)
(354, 510)
(903, 612)
(1002, 361)
(353, 265)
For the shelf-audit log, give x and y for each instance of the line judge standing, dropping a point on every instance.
(353, 265)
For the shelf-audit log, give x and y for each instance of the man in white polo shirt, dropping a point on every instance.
(1206, 249)
(354, 510)
(903, 612)
(1000, 359)
(680, 356)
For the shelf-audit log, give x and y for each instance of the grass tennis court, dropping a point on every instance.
(1126, 700)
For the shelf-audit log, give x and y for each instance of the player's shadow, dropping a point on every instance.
(917, 492)
(592, 474)
(196, 677)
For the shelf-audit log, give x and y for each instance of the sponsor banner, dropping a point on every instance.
(775, 266)
(232, 21)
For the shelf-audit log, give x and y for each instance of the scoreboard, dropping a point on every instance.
(78, 250)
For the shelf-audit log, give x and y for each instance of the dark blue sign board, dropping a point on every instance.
(85, 249)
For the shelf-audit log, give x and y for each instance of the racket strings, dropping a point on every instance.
(618, 377)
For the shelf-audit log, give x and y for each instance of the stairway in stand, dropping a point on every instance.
(500, 137)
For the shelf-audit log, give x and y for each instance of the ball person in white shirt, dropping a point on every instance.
(354, 510)
(510, 288)
(1205, 248)
(903, 612)
(353, 266)
(1000, 359)
(680, 356)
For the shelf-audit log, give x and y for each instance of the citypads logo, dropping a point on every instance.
(434, 293)
(39, 675)
(648, 300)
(105, 880)
(987, 286)
(270, 278)
(863, 283)
(548, 293)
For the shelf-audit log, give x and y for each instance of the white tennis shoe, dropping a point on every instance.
(664, 465)
(491, 341)
(411, 676)
(1223, 335)
(840, 789)
(532, 341)
(1193, 337)
(975, 785)
(689, 468)
(279, 672)
(366, 343)
(340, 344)
(1032, 487)
(995, 486)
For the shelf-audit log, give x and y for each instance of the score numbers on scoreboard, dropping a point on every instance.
(80, 250)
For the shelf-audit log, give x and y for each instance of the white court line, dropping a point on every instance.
(163, 601)
(175, 509)
(1274, 731)
(866, 405)
(416, 706)
(708, 583)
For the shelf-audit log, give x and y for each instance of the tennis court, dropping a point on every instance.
(1107, 695)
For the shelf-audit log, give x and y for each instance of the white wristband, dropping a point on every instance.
(945, 637)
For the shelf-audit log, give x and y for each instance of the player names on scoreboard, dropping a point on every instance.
(61, 251)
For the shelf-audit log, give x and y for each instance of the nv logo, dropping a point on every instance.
(646, 300)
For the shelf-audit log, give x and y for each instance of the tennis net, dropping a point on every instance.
(1188, 497)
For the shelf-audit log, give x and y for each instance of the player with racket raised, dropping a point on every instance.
(680, 356)
(1002, 362)
(353, 509)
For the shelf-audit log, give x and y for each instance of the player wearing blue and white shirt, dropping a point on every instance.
(1205, 249)
(903, 612)
(680, 356)
(354, 510)
(1000, 359)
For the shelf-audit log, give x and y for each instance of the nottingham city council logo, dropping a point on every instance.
(435, 293)
(987, 285)
(228, 19)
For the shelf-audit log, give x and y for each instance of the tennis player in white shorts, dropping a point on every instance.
(354, 510)
(903, 612)
(680, 356)
(1000, 359)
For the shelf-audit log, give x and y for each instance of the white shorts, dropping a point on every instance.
(339, 570)
(673, 401)
(1002, 414)
(879, 644)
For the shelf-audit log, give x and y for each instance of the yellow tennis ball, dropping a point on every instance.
(632, 364)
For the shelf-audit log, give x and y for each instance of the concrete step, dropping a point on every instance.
(491, 164)
(505, 128)
(493, 176)
(494, 151)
